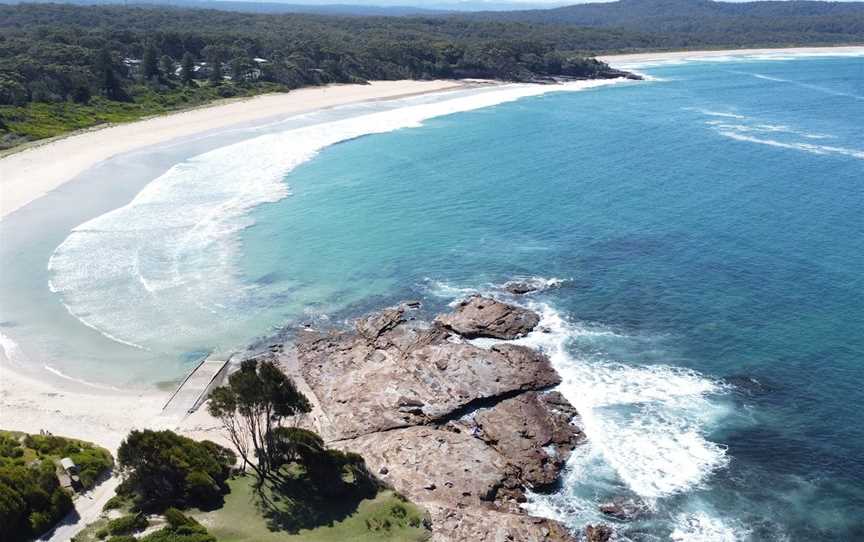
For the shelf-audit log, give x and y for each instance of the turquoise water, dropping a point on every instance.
(710, 221)
(704, 231)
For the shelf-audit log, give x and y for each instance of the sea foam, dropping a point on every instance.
(163, 266)
(646, 427)
(743, 128)
(703, 527)
(648, 423)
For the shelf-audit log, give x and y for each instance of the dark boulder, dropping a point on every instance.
(623, 509)
(598, 533)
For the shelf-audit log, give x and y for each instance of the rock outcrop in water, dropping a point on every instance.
(598, 533)
(480, 316)
(530, 285)
(623, 509)
(461, 430)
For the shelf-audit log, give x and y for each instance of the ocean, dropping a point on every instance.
(700, 236)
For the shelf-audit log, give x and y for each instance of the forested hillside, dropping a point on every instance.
(66, 67)
(682, 23)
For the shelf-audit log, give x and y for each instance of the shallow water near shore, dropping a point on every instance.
(707, 232)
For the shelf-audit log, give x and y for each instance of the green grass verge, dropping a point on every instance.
(386, 517)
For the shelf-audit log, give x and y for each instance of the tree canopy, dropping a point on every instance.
(252, 406)
(163, 469)
(31, 498)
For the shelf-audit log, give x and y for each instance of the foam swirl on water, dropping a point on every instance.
(162, 268)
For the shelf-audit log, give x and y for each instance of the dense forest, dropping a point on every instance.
(64, 67)
(683, 23)
(67, 67)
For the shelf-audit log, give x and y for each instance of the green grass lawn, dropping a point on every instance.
(386, 517)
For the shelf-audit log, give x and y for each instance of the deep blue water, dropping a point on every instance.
(711, 220)
(704, 229)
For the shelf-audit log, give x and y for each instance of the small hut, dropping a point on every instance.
(70, 469)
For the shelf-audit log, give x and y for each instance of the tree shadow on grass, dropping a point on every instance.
(296, 499)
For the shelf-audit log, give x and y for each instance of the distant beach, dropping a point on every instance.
(625, 59)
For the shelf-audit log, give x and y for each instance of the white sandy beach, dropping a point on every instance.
(33, 172)
(27, 401)
(105, 417)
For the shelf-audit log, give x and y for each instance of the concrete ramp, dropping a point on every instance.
(193, 391)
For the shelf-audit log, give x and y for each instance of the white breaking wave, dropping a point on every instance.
(765, 128)
(646, 427)
(724, 114)
(768, 77)
(744, 129)
(809, 86)
(806, 147)
(11, 350)
(164, 264)
(648, 423)
(447, 290)
(64, 376)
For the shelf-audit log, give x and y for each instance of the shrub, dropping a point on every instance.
(200, 487)
(176, 518)
(181, 528)
(31, 500)
(91, 460)
(127, 524)
(114, 503)
(164, 469)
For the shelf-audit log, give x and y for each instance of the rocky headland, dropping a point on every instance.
(462, 430)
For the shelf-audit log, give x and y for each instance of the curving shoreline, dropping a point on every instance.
(31, 173)
(49, 404)
(32, 398)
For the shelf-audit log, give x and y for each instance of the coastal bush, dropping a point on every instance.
(176, 518)
(162, 469)
(91, 460)
(115, 502)
(127, 524)
(31, 499)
